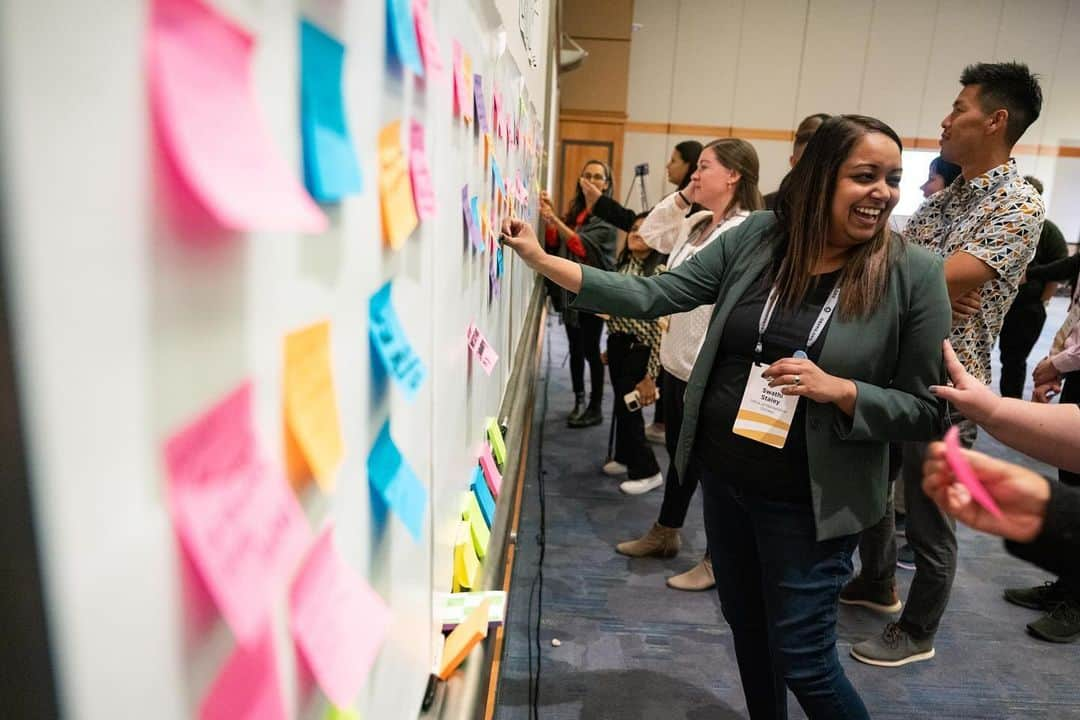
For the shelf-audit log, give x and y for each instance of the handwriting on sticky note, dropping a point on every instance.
(428, 39)
(402, 35)
(495, 439)
(311, 410)
(330, 168)
(481, 349)
(420, 173)
(483, 495)
(491, 472)
(234, 512)
(247, 687)
(203, 101)
(391, 344)
(963, 471)
(396, 484)
(395, 187)
(338, 622)
(463, 639)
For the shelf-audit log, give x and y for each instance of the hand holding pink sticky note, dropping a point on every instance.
(961, 468)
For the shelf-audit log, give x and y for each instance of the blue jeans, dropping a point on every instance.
(779, 589)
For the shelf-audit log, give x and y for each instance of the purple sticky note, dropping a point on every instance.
(478, 99)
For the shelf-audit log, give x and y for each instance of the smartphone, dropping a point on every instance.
(632, 400)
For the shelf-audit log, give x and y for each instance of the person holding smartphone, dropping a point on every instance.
(633, 352)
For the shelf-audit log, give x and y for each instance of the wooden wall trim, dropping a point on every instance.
(591, 116)
(746, 133)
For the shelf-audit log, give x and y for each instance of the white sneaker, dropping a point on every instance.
(614, 468)
(642, 486)
(655, 434)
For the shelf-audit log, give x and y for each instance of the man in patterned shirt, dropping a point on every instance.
(986, 225)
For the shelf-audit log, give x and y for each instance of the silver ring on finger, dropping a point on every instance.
(796, 381)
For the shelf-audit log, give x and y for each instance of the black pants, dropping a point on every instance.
(628, 361)
(1019, 333)
(583, 333)
(1070, 393)
(677, 495)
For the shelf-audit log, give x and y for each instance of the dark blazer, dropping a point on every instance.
(893, 356)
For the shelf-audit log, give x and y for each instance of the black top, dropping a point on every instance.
(770, 200)
(1051, 248)
(612, 212)
(1057, 548)
(1064, 270)
(776, 474)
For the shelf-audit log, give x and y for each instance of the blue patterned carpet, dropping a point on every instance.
(633, 649)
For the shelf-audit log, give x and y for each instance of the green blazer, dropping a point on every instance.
(893, 356)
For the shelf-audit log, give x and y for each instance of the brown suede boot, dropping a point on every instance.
(660, 541)
(699, 577)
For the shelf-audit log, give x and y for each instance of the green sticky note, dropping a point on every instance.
(495, 440)
(335, 713)
(478, 529)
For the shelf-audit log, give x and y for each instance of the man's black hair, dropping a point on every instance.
(1008, 85)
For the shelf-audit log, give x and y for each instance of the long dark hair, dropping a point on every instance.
(578, 203)
(651, 261)
(689, 151)
(803, 212)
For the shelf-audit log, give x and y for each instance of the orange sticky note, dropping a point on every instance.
(313, 441)
(463, 639)
(395, 187)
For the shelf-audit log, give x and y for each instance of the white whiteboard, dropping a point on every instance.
(125, 332)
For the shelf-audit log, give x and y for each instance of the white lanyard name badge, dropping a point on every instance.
(765, 413)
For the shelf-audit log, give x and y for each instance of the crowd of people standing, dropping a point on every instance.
(809, 357)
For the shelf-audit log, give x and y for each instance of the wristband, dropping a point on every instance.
(683, 197)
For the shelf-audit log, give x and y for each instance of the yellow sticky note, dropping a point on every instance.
(485, 226)
(395, 188)
(495, 440)
(488, 149)
(478, 529)
(313, 443)
(466, 564)
(463, 639)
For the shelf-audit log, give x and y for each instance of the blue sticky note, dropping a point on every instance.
(483, 496)
(395, 483)
(401, 34)
(478, 100)
(499, 261)
(330, 167)
(499, 183)
(474, 228)
(393, 348)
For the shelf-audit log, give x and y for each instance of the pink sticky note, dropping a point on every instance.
(961, 468)
(428, 39)
(234, 513)
(338, 622)
(247, 688)
(420, 173)
(481, 348)
(491, 471)
(203, 100)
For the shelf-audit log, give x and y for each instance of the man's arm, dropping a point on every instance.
(965, 272)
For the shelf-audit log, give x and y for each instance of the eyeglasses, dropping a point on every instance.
(599, 177)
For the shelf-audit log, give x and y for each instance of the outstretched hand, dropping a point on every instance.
(1021, 494)
(975, 401)
(520, 237)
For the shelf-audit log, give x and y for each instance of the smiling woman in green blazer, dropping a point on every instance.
(782, 522)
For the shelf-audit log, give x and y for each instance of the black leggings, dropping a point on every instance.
(584, 338)
(677, 495)
(628, 361)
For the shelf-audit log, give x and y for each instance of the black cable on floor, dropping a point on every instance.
(537, 588)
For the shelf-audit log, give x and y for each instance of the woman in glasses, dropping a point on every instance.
(583, 238)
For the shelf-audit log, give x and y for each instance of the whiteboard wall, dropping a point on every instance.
(126, 330)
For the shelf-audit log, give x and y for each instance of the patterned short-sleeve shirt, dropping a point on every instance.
(647, 331)
(995, 217)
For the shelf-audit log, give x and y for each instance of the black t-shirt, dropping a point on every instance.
(1051, 247)
(757, 468)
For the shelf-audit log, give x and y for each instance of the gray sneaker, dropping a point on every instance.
(893, 649)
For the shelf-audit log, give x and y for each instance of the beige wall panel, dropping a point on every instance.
(770, 49)
(1062, 206)
(706, 53)
(966, 32)
(598, 18)
(652, 61)
(1031, 32)
(773, 158)
(652, 148)
(833, 55)
(1061, 96)
(600, 83)
(897, 62)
